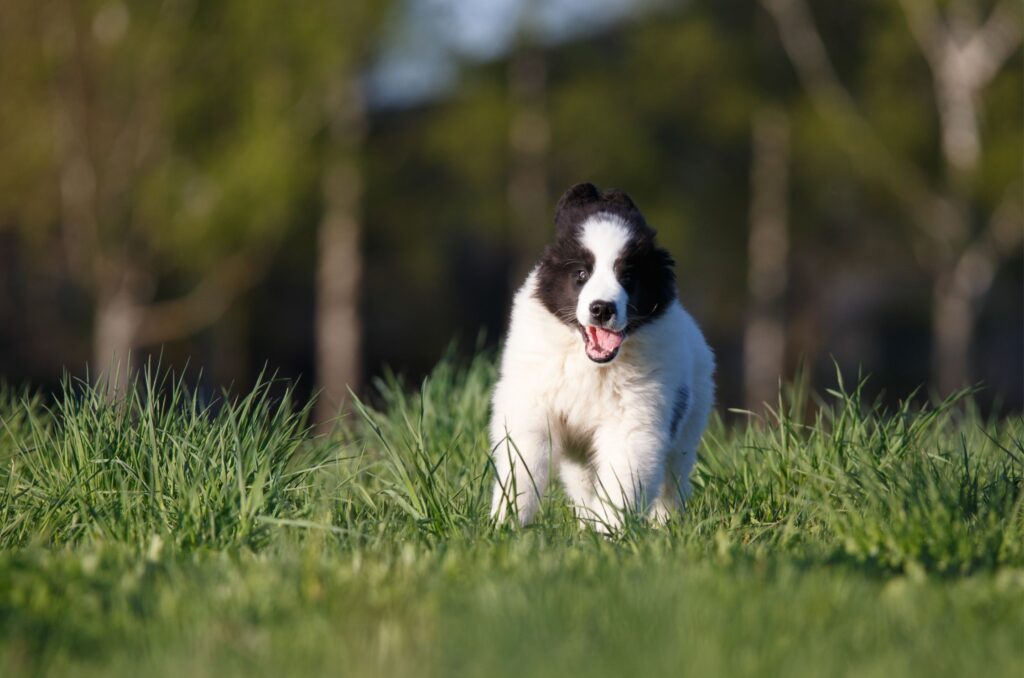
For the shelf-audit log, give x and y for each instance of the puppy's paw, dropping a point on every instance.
(661, 513)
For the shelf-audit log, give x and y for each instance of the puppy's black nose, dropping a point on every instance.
(602, 311)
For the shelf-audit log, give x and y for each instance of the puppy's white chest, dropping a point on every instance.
(588, 395)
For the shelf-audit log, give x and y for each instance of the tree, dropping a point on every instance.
(964, 54)
(161, 134)
(339, 264)
(764, 339)
(344, 51)
(179, 141)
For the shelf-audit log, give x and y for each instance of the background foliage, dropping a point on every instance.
(172, 168)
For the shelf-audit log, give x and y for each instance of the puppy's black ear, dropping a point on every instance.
(619, 197)
(619, 202)
(573, 206)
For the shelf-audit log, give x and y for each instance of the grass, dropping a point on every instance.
(164, 536)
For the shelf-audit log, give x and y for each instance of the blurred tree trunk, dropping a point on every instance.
(764, 340)
(126, 318)
(100, 151)
(115, 325)
(528, 141)
(960, 285)
(339, 264)
(964, 54)
(953, 333)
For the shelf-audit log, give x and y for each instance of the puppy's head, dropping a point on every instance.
(604, 274)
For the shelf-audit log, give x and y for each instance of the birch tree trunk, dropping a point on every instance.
(117, 318)
(764, 340)
(952, 334)
(964, 54)
(339, 260)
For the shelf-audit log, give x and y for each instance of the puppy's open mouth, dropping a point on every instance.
(600, 344)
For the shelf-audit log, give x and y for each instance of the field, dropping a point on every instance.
(162, 536)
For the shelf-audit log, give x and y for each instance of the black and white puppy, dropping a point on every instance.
(605, 379)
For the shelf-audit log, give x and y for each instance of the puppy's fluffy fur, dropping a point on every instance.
(606, 381)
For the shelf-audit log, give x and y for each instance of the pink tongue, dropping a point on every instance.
(605, 340)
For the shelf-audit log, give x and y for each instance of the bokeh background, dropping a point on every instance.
(329, 190)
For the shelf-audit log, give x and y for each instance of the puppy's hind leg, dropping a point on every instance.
(677, 487)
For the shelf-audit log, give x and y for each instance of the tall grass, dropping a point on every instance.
(155, 463)
(935, 488)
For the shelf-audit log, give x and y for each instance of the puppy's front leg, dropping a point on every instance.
(629, 470)
(522, 462)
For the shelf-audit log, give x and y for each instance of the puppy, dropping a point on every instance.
(605, 379)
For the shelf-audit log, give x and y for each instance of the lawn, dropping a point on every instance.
(165, 536)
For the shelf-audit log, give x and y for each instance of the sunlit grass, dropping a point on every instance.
(161, 535)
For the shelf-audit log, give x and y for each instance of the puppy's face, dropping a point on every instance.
(604, 275)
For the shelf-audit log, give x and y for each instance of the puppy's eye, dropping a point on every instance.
(581, 276)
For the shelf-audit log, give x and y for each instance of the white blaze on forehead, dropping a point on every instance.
(605, 236)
